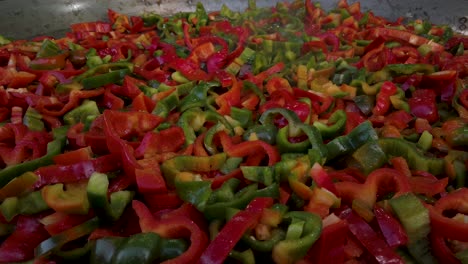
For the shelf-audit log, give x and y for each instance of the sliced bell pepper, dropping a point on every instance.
(28, 204)
(416, 221)
(54, 244)
(143, 248)
(53, 148)
(97, 193)
(303, 230)
(70, 198)
(15, 248)
(378, 248)
(218, 250)
(175, 226)
(338, 121)
(295, 127)
(173, 167)
(348, 143)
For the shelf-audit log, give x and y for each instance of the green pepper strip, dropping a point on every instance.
(97, 195)
(139, 248)
(32, 119)
(99, 80)
(214, 204)
(408, 69)
(197, 96)
(416, 160)
(103, 69)
(54, 148)
(303, 231)
(193, 120)
(261, 174)
(173, 167)
(54, 243)
(416, 221)
(208, 140)
(338, 119)
(28, 204)
(348, 143)
(295, 127)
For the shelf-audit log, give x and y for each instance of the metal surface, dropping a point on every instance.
(29, 18)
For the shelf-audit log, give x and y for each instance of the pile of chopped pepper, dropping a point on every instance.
(286, 134)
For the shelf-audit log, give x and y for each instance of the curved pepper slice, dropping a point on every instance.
(304, 229)
(139, 248)
(173, 167)
(345, 144)
(55, 243)
(370, 239)
(367, 192)
(175, 226)
(53, 148)
(218, 250)
(70, 198)
(448, 227)
(97, 194)
(16, 248)
(338, 120)
(295, 128)
(416, 221)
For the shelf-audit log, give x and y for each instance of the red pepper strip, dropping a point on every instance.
(142, 103)
(383, 103)
(167, 140)
(400, 119)
(15, 248)
(130, 124)
(219, 180)
(429, 186)
(411, 38)
(378, 180)
(173, 227)
(150, 178)
(445, 226)
(111, 101)
(190, 69)
(247, 148)
(118, 146)
(231, 233)
(129, 87)
(76, 137)
(330, 245)
(74, 156)
(75, 172)
(441, 250)
(370, 239)
(320, 102)
(391, 228)
(259, 78)
(73, 101)
(162, 201)
(423, 105)
(229, 98)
